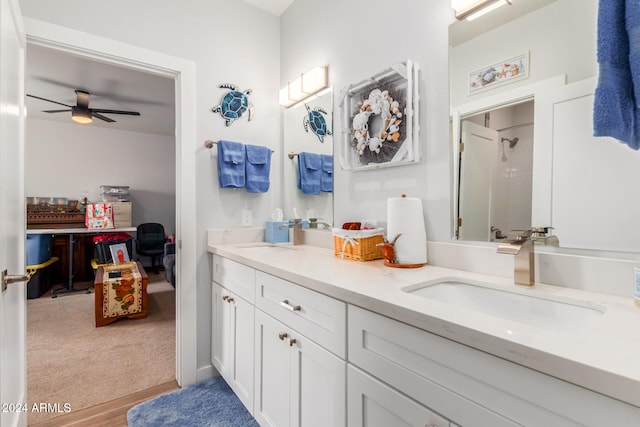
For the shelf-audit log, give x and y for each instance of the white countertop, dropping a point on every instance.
(605, 357)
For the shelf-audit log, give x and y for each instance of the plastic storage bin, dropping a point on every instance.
(104, 241)
(40, 281)
(38, 248)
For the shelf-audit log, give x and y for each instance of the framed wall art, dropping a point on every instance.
(500, 73)
(381, 119)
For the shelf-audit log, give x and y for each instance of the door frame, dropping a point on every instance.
(183, 72)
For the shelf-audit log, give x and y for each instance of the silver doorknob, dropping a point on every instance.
(7, 279)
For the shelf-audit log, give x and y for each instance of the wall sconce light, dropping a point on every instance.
(81, 115)
(305, 86)
(472, 9)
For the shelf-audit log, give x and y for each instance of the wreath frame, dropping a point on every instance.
(400, 82)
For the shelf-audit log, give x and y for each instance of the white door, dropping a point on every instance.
(220, 329)
(476, 177)
(12, 216)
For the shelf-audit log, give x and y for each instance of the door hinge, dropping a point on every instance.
(462, 147)
(459, 222)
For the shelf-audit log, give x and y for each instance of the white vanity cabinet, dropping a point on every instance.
(299, 382)
(467, 386)
(232, 317)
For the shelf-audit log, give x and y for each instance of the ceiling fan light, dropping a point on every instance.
(81, 115)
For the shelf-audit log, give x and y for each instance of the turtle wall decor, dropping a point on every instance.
(234, 104)
(315, 120)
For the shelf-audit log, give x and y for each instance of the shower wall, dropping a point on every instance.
(512, 180)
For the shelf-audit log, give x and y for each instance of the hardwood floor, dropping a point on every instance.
(109, 414)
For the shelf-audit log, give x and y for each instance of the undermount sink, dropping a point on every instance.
(560, 314)
(265, 247)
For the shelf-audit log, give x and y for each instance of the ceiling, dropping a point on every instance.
(275, 7)
(56, 75)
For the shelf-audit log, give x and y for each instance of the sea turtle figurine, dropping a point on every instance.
(234, 104)
(317, 122)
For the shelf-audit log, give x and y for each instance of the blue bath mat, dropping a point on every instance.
(210, 403)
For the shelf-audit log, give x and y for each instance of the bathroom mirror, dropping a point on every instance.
(573, 183)
(302, 132)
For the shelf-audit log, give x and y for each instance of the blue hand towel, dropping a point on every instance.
(231, 164)
(257, 168)
(615, 109)
(309, 172)
(326, 179)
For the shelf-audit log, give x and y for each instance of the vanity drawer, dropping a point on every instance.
(471, 387)
(319, 317)
(236, 277)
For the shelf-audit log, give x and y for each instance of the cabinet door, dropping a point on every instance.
(220, 329)
(298, 383)
(318, 396)
(374, 404)
(272, 372)
(241, 344)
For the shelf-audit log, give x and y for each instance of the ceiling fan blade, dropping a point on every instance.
(56, 111)
(100, 110)
(82, 98)
(48, 100)
(101, 117)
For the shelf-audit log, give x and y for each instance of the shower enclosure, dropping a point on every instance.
(494, 194)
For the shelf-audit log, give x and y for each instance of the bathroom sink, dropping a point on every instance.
(265, 247)
(560, 314)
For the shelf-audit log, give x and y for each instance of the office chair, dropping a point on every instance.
(150, 242)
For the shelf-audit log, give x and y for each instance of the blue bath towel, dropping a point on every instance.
(326, 179)
(231, 164)
(257, 167)
(309, 172)
(616, 111)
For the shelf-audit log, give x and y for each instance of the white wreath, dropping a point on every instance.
(378, 103)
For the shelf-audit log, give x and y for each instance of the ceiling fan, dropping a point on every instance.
(81, 112)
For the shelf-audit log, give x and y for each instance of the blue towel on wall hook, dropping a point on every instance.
(231, 157)
(257, 168)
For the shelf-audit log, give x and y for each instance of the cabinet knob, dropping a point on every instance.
(282, 335)
(230, 300)
(292, 341)
(285, 304)
(226, 297)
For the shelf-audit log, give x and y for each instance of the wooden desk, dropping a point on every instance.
(118, 297)
(72, 233)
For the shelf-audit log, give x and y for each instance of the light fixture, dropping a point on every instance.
(305, 86)
(81, 115)
(473, 9)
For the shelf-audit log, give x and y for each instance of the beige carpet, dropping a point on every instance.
(70, 361)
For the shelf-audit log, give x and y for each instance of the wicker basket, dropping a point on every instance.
(358, 245)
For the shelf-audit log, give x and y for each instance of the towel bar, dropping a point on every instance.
(210, 143)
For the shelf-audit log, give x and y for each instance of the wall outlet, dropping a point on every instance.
(247, 218)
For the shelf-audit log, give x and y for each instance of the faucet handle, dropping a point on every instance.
(520, 235)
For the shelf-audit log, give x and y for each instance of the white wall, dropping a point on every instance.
(65, 159)
(357, 39)
(553, 50)
(229, 42)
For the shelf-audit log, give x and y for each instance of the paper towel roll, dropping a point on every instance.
(405, 217)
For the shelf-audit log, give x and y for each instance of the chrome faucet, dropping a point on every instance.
(296, 225)
(523, 264)
(314, 223)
